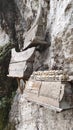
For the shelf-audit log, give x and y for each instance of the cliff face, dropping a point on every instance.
(61, 31)
(58, 32)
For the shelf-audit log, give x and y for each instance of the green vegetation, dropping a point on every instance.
(4, 115)
(11, 126)
(5, 51)
(5, 105)
(8, 87)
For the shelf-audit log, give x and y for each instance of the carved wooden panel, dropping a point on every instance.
(55, 94)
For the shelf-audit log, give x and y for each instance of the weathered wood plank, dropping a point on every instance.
(39, 40)
(17, 66)
(33, 87)
(17, 74)
(31, 38)
(52, 90)
(21, 56)
(41, 100)
(56, 94)
(17, 69)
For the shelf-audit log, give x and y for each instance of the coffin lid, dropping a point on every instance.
(50, 75)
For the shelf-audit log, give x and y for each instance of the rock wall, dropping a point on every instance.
(29, 116)
(61, 31)
(59, 34)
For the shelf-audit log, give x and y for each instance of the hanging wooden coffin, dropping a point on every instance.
(49, 92)
(35, 35)
(18, 64)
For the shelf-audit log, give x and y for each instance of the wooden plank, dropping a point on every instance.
(17, 74)
(31, 37)
(52, 90)
(21, 56)
(17, 69)
(39, 40)
(33, 87)
(57, 95)
(17, 66)
(51, 76)
(45, 101)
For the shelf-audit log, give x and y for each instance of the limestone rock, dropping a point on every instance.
(59, 26)
(59, 32)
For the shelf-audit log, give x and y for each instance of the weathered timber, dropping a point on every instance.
(53, 93)
(18, 63)
(51, 75)
(34, 35)
(21, 56)
(17, 69)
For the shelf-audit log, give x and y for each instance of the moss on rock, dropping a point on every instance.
(7, 85)
(5, 51)
(4, 116)
(11, 126)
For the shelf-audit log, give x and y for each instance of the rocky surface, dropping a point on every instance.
(61, 31)
(6, 84)
(29, 116)
(59, 34)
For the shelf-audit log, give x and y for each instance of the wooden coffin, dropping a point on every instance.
(53, 94)
(35, 35)
(18, 65)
